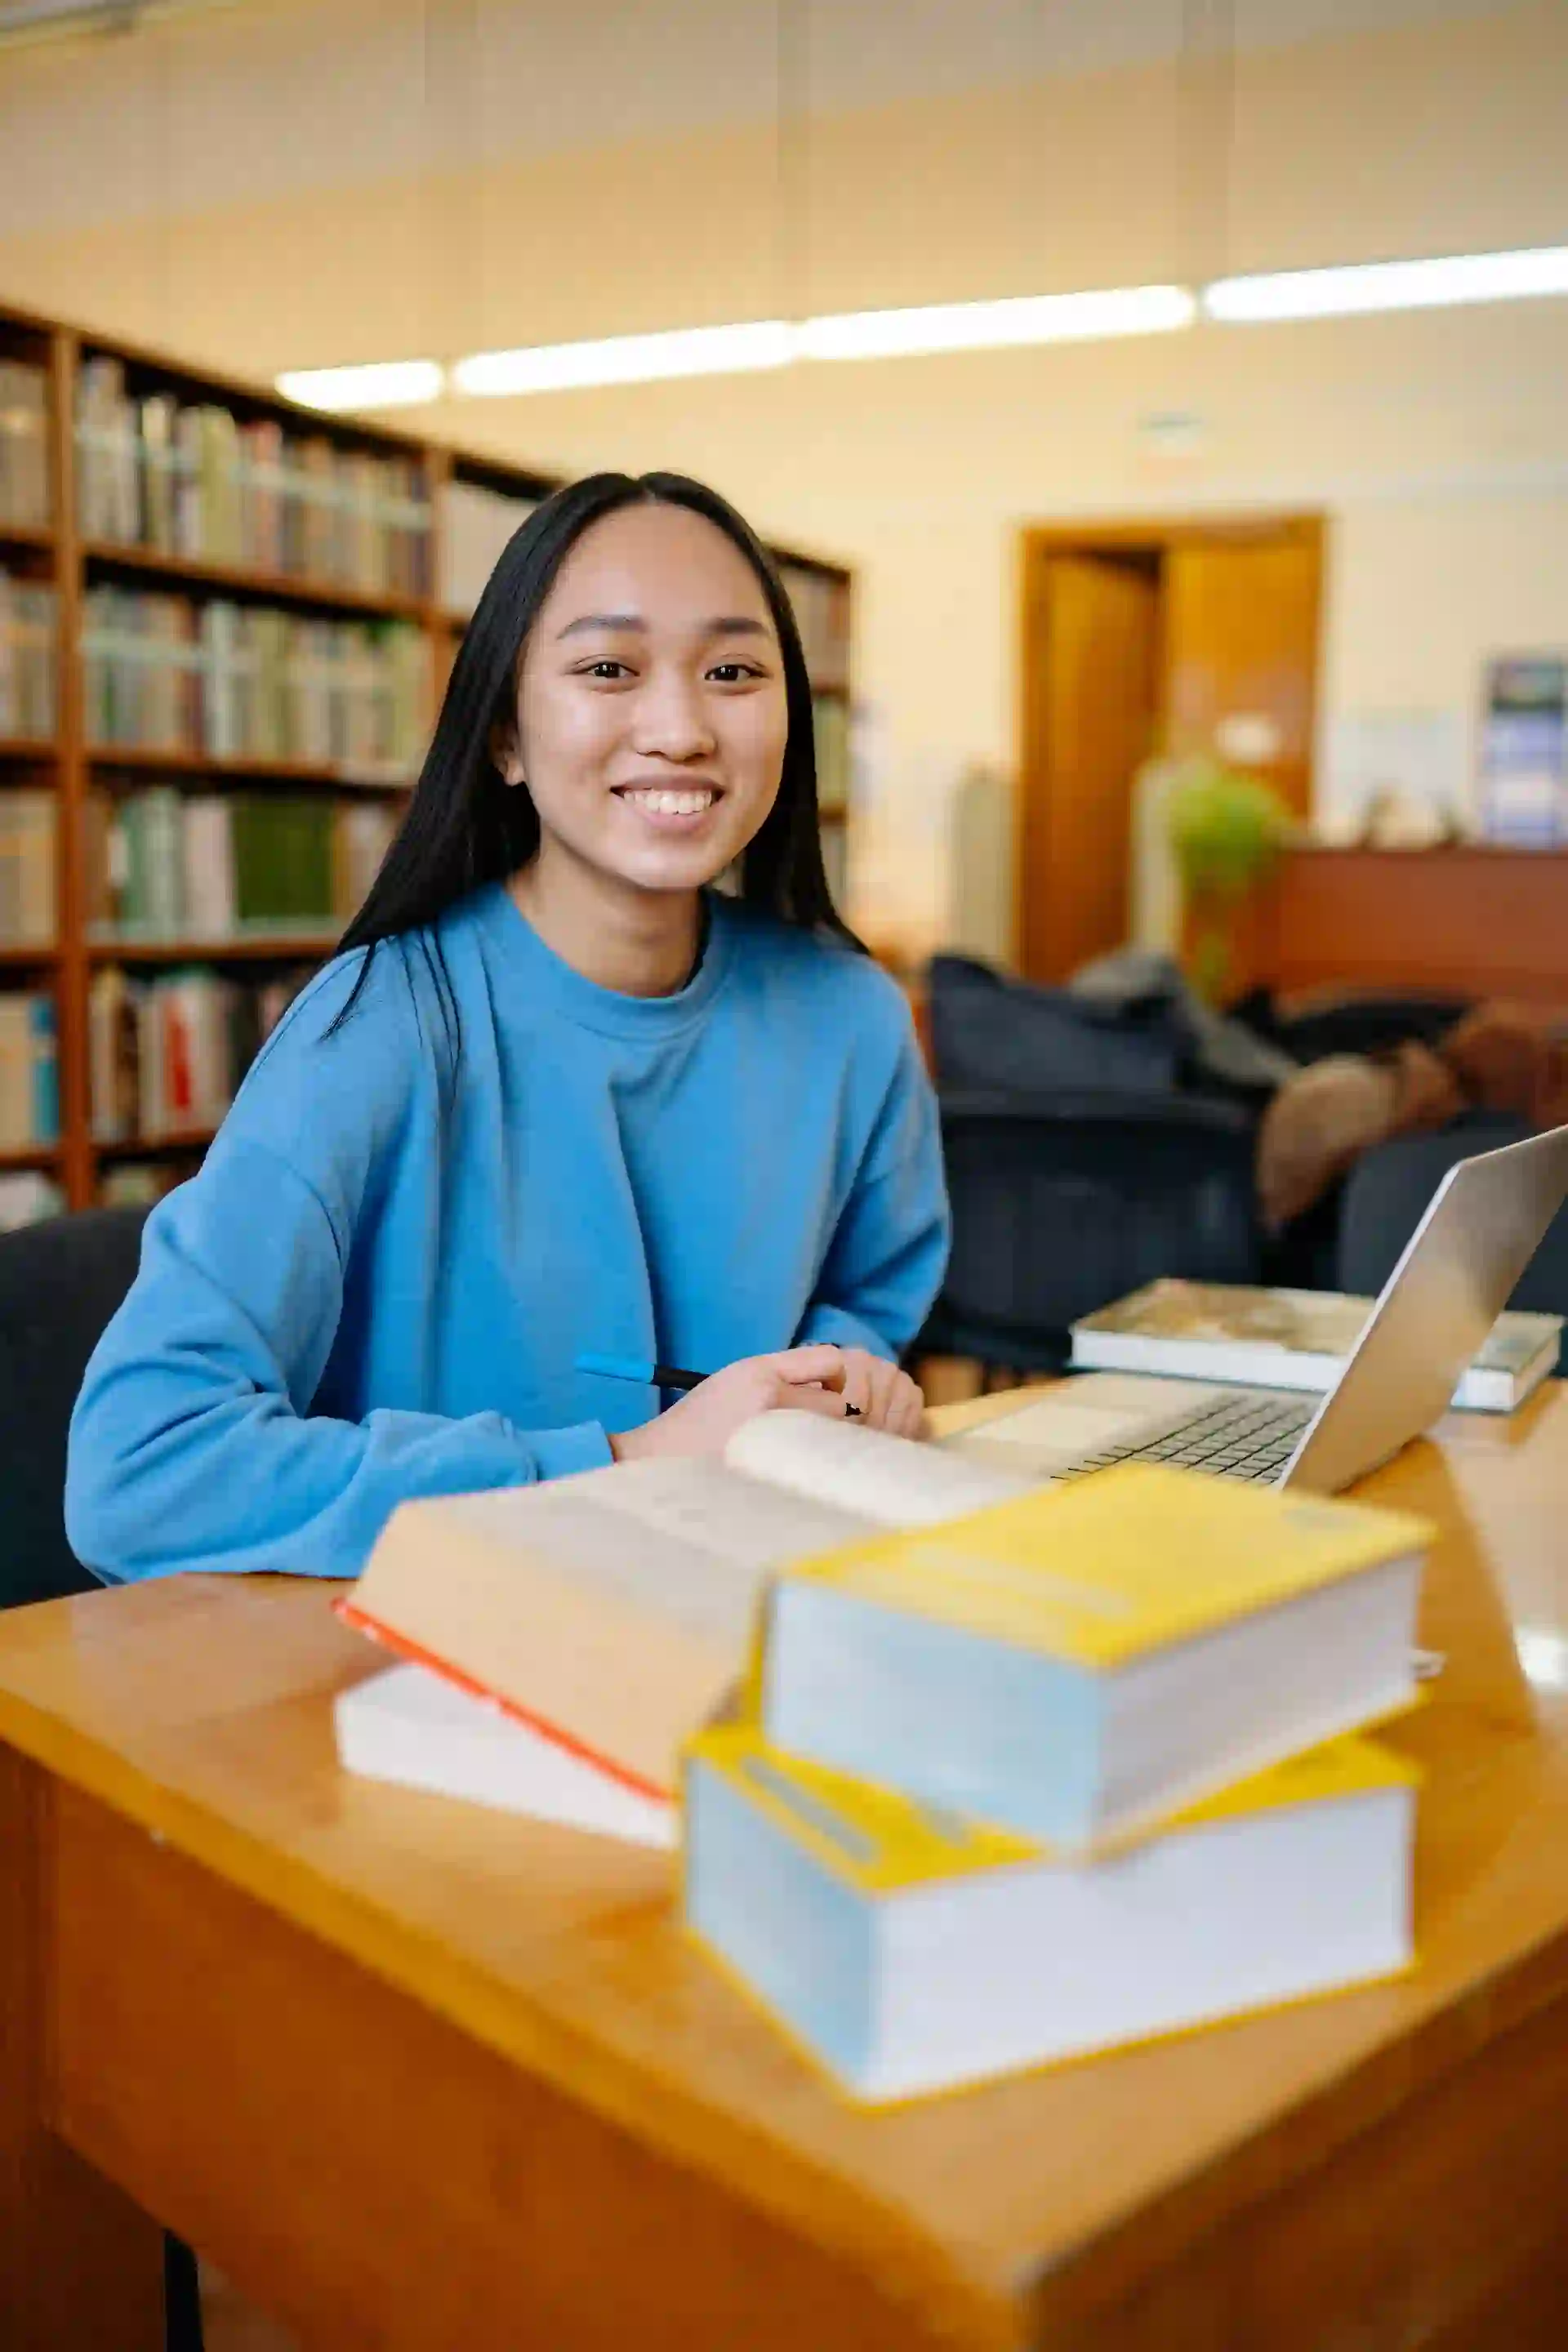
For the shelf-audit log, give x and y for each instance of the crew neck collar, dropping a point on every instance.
(552, 980)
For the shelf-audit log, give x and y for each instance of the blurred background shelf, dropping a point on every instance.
(264, 601)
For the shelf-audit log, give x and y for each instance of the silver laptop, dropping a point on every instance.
(1456, 1274)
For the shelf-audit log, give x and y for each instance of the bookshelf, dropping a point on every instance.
(224, 624)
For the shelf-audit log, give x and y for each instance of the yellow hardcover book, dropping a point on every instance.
(909, 1949)
(1083, 1660)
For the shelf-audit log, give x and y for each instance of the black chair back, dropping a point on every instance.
(1388, 1189)
(1062, 1204)
(59, 1284)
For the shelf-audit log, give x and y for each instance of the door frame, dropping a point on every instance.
(1134, 535)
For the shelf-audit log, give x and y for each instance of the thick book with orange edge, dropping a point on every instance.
(612, 1611)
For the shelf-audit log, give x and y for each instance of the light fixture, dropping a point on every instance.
(627, 358)
(981, 326)
(1543, 1654)
(384, 383)
(1390, 286)
(847, 335)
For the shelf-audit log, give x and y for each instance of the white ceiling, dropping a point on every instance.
(244, 101)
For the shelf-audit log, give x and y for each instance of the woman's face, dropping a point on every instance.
(651, 710)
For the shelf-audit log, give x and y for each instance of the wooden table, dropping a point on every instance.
(416, 2074)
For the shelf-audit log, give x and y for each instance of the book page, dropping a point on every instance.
(689, 1540)
(898, 1482)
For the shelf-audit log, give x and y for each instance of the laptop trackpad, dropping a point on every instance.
(1083, 1416)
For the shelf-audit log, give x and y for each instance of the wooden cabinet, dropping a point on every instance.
(1470, 919)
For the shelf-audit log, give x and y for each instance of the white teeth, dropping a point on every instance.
(667, 803)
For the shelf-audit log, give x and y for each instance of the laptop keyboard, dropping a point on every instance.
(1240, 1437)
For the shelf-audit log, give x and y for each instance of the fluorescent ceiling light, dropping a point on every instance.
(1390, 286)
(385, 383)
(857, 334)
(1543, 1654)
(628, 359)
(981, 326)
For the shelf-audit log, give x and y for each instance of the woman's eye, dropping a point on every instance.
(732, 673)
(607, 669)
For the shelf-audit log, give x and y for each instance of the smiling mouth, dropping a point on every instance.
(670, 800)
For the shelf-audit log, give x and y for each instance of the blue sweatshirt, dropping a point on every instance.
(378, 1284)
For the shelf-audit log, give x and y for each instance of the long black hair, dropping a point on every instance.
(465, 826)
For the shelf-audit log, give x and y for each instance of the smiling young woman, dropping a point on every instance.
(557, 1098)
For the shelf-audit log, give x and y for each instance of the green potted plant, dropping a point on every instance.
(1227, 831)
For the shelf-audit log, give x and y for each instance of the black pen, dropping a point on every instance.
(656, 1376)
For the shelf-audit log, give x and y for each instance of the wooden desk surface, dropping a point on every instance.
(1227, 2188)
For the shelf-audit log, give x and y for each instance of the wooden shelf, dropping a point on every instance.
(78, 773)
(279, 947)
(276, 588)
(199, 766)
(157, 1146)
(13, 1161)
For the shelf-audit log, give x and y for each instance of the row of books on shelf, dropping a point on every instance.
(821, 606)
(830, 729)
(24, 446)
(967, 1771)
(476, 524)
(29, 1081)
(167, 1053)
(28, 1195)
(26, 868)
(250, 682)
(169, 865)
(192, 479)
(835, 865)
(30, 696)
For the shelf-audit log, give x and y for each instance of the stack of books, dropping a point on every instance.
(965, 1777)
(1077, 1771)
(1289, 1340)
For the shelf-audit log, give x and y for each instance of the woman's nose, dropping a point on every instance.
(671, 720)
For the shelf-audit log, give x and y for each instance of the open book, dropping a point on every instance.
(611, 1613)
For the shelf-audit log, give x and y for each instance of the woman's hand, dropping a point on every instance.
(886, 1397)
(808, 1380)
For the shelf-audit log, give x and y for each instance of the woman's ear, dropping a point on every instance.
(506, 756)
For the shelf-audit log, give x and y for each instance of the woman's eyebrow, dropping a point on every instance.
(586, 621)
(727, 624)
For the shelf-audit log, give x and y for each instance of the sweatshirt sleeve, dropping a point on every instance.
(888, 1255)
(192, 1444)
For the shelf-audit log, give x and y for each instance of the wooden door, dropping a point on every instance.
(1090, 693)
(1241, 650)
